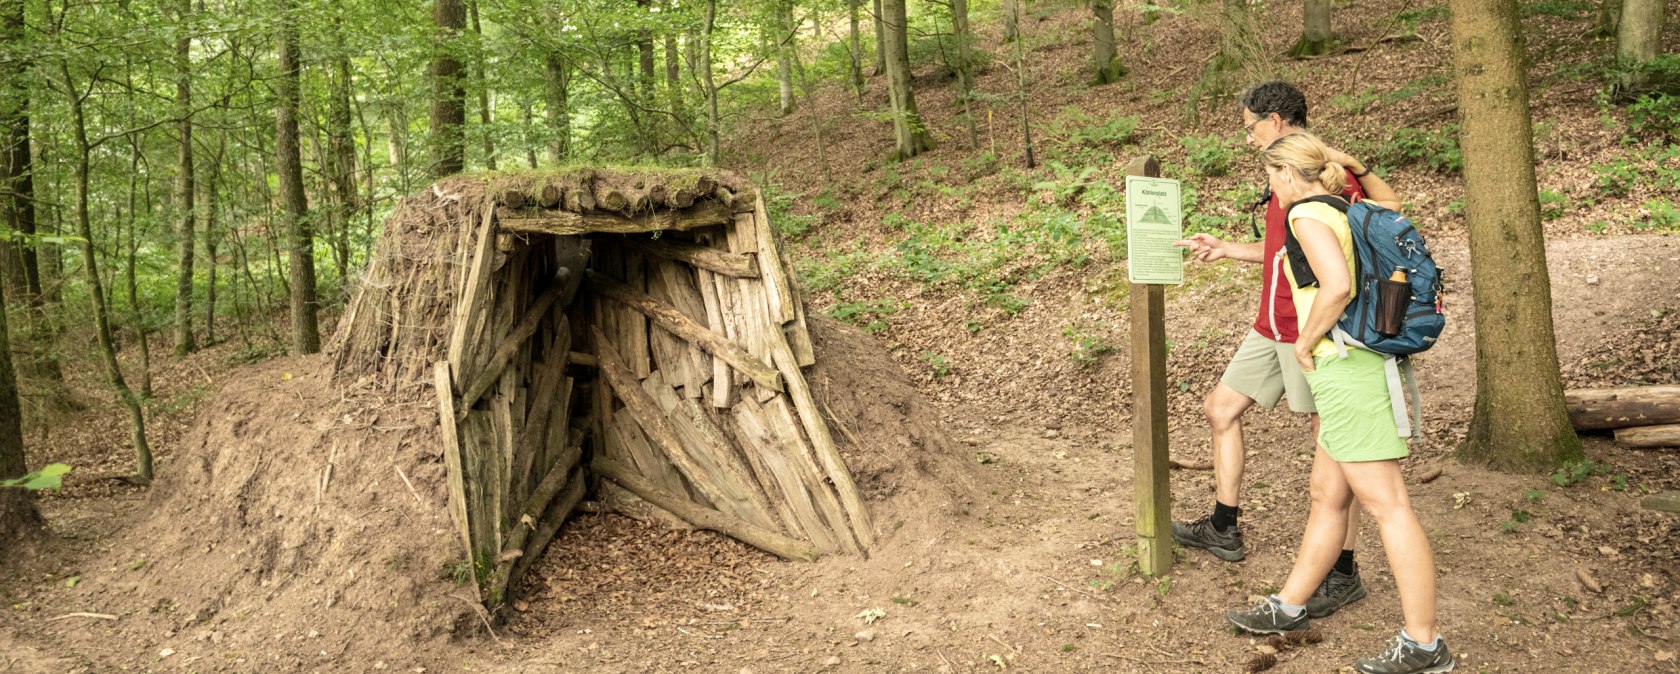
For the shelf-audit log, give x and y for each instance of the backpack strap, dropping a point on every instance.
(1398, 369)
(1304, 275)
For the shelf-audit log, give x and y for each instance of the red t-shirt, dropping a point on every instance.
(1277, 319)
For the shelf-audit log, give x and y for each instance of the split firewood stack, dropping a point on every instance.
(636, 335)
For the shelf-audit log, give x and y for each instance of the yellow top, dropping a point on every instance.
(1338, 223)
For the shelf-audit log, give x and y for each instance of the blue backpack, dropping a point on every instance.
(1382, 242)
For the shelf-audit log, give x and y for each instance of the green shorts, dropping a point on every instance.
(1356, 423)
(1265, 370)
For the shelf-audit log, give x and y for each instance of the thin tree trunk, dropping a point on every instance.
(855, 45)
(306, 333)
(782, 35)
(880, 42)
(482, 76)
(1105, 62)
(557, 85)
(707, 26)
(530, 150)
(911, 137)
(809, 87)
(1639, 41)
(131, 250)
(1011, 20)
(212, 245)
(1609, 19)
(1519, 422)
(184, 188)
(673, 81)
(96, 290)
(341, 157)
(1315, 29)
(449, 97)
(964, 39)
(1021, 97)
(20, 522)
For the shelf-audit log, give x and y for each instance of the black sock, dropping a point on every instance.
(1224, 516)
(1344, 563)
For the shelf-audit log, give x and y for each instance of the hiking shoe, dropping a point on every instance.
(1405, 657)
(1338, 590)
(1202, 534)
(1266, 617)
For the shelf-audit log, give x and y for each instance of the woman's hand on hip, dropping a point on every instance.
(1304, 356)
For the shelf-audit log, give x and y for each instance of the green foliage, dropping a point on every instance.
(1563, 9)
(1503, 599)
(1655, 114)
(48, 477)
(1664, 216)
(1552, 204)
(870, 315)
(1088, 344)
(1617, 178)
(1080, 128)
(940, 365)
(1574, 473)
(1209, 155)
(1413, 17)
(1436, 149)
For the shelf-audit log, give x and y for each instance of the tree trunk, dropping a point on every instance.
(707, 27)
(782, 36)
(880, 42)
(212, 243)
(673, 81)
(1315, 30)
(1519, 422)
(96, 290)
(341, 157)
(449, 97)
(647, 96)
(306, 333)
(556, 84)
(1021, 96)
(964, 48)
(1609, 19)
(1105, 63)
(184, 188)
(854, 45)
(1011, 20)
(1639, 41)
(131, 250)
(482, 77)
(911, 138)
(19, 520)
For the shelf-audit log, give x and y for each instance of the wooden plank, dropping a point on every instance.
(551, 373)
(633, 446)
(799, 331)
(776, 477)
(567, 223)
(668, 318)
(715, 455)
(822, 443)
(776, 284)
(705, 257)
(549, 524)
(706, 518)
(469, 303)
(508, 346)
(1649, 436)
(722, 393)
(1668, 501)
(452, 453)
(678, 283)
(1149, 429)
(790, 459)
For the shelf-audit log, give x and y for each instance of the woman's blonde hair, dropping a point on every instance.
(1309, 159)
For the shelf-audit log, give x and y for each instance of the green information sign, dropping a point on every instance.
(1153, 222)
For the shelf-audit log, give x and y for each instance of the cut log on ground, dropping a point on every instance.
(1606, 409)
(1649, 436)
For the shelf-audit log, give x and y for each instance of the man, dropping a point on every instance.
(1264, 367)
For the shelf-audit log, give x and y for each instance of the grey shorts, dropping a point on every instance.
(1265, 370)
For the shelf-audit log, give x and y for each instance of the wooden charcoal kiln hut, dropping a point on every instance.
(634, 334)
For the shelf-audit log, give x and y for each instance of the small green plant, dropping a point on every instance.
(1069, 648)
(1534, 496)
(983, 458)
(1552, 204)
(1434, 148)
(974, 327)
(1163, 586)
(1664, 216)
(1209, 155)
(1008, 302)
(903, 600)
(1574, 472)
(1618, 482)
(940, 364)
(1503, 599)
(1638, 604)
(1088, 346)
(1617, 178)
(870, 315)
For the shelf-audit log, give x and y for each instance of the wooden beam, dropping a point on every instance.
(777, 286)
(706, 518)
(452, 454)
(510, 344)
(1668, 501)
(567, 223)
(581, 359)
(1601, 409)
(1667, 435)
(1149, 415)
(704, 257)
(668, 318)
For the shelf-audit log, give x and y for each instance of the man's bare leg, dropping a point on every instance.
(1224, 408)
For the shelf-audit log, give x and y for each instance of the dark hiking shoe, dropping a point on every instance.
(1202, 534)
(1338, 590)
(1405, 657)
(1266, 617)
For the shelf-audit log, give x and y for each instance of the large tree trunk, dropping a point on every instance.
(1639, 40)
(1519, 422)
(483, 80)
(1609, 19)
(557, 82)
(1105, 63)
(1315, 29)
(306, 333)
(910, 136)
(449, 97)
(19, 521)
(184, 189)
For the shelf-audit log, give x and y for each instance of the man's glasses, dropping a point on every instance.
(1248, 129)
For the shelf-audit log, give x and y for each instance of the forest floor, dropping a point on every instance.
(1011, 550)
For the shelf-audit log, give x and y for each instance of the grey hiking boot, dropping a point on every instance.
(1405, 657)
(1202, 534)
(1338, 590)
(1266, 617)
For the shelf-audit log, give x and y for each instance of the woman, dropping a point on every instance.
(1358, 446)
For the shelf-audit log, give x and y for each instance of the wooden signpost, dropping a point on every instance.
(1149, 373)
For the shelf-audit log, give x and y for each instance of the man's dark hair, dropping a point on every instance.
(1279, 97)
